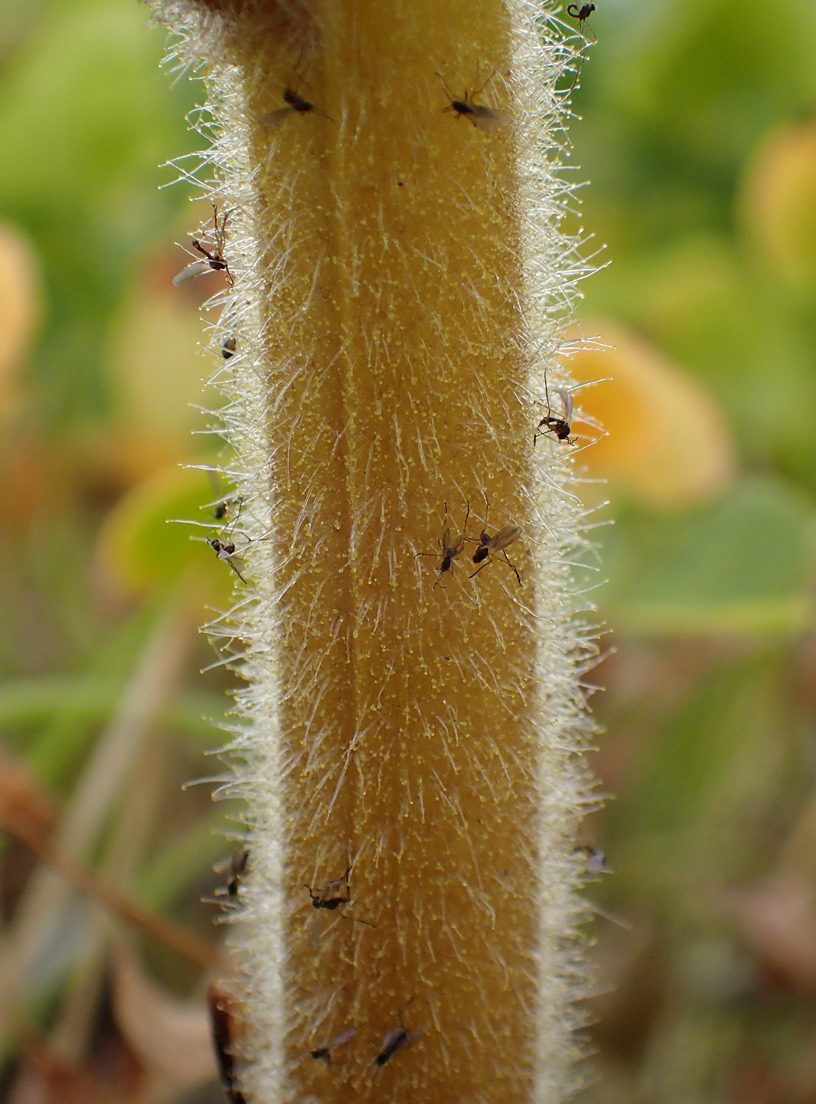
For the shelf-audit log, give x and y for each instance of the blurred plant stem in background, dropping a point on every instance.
(127, 742)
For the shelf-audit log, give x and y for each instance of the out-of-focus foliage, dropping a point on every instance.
(697, 137)
(102, 702)
(697, 134)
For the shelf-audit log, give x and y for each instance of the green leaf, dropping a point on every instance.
(744, 564)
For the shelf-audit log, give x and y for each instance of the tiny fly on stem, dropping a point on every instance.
(330, 898)
(560, 428)
(396, 1039)
(226, 552)
(333, 897)
(582, 14)
(324, 1053)
(449, 551)
(212, 259)
(482, 116)
(488, 546)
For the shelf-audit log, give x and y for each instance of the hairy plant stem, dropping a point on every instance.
(400, 285)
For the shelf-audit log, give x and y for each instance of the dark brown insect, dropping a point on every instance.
(582, 14)
(336, 894)
(212, 258)
(557, 427)
(395, 1040)
(482, 116)
(223, 505)
(226, 552)
(228, 347)
(342, 1039)
(237, 869)
(332, 896)
(225, 1032)
(449, 551)
(560, 427)
(223, 509)
(488, 546)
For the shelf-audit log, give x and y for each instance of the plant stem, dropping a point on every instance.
(391, 330)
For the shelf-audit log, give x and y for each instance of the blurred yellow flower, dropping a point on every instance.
(667, 441)
(778, 201)
(20, 309)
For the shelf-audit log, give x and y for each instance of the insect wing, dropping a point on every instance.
(197, 268)
(486, 118)
(566, 400)
(505, 537)
(234, 561)
(394, 1041)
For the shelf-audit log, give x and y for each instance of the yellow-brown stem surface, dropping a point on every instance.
(389, 353)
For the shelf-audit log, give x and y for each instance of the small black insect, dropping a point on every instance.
(482, 116)
(560, 428)
(557, 427)
(228, 347)
(212, 258)
(226, 552)
(395, 1040)
(237, 869)
(488, 546)
(342, 1039)
(223, 509)
(332, 896)
(582, 14)
(224, 1034)
(449, 550)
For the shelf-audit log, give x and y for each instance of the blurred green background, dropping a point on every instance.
(698, 134)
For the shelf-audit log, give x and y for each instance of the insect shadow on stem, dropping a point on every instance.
(226, 1031)
(294, 104)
